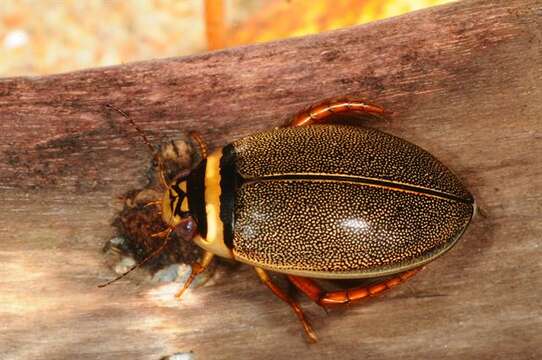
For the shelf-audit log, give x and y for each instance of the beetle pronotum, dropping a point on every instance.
(316, 200)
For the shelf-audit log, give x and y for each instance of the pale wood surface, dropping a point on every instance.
(465, 81)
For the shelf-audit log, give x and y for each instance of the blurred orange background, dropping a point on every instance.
(48, 36)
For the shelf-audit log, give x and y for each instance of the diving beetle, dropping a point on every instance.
(316, 200)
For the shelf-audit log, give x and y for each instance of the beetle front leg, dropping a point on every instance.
(324, 111)
(197, 268)
(202, 147)
(347, 296)
(287, 299)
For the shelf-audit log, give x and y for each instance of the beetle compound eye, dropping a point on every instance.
(187, 228)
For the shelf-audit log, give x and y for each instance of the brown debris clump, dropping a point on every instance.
(141, 218)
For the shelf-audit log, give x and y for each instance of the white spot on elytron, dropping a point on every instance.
(15, 39)
(355, 224)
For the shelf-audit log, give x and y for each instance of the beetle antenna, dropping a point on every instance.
(141, 133)
(150, 256)
(147, 142)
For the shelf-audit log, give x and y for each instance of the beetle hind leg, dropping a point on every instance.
(325, 111)
(287, 299)
(347, 296)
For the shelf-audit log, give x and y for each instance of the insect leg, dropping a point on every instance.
(201, 144)
(347, 296)
(324, 111)
(287, 299)
(197, 268)
(154, 203)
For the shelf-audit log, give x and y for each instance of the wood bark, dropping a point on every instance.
(465, 83)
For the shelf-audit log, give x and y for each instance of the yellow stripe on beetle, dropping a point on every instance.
(214, 241)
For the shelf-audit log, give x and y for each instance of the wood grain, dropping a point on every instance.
(465, 81)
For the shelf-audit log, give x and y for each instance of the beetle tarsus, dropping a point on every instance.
(163, 234)
(326, 110)
(201, 144)
(311, 334)
(197, 268)
(347, 296)
(157, 203)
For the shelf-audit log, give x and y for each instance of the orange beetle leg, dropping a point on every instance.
(200, 143)
(197, 268)
(347, 296)
(322, 112)
(287, 299)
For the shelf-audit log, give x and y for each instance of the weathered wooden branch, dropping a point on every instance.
(465, 82)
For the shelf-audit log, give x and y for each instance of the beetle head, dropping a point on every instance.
(174, 204)
(175, 211)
